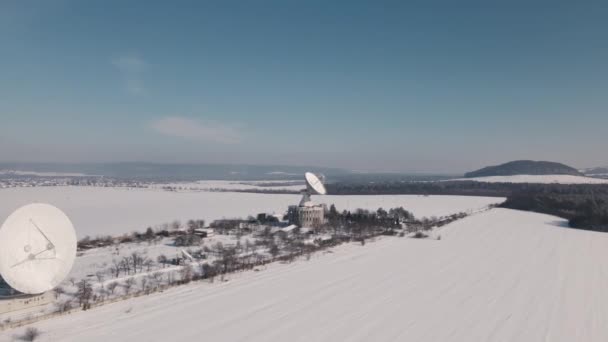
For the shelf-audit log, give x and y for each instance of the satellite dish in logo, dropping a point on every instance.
(37, 248)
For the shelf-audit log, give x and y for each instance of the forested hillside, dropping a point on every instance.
(525, 167)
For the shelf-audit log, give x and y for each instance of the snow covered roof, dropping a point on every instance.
(274, 229)
(204, 230)
(289, 228)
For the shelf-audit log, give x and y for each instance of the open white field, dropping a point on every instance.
(498, 276)
(233, 185)
(113, 211)
(42, 174)
(541, 179)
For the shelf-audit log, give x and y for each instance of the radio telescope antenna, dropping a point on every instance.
(187, 255)
(37, 248)
(314, 186)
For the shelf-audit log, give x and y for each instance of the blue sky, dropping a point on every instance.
(383, 86)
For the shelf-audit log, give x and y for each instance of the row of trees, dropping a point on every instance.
(144, 275)
(131, 264)
(150, 235)
(464, 188)
(586, 210)
(585, 206)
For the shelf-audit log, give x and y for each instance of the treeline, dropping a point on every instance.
(150, 235)
(586, 208)
(260, 191)
(464, 188)
(136, 273)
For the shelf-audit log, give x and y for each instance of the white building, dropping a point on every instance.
(308, 215)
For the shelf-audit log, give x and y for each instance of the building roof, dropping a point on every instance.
(204, 230)
(289, 228)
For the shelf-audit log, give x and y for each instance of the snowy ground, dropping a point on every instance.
(112, 211)
(502, 275)
(542, 179)
(100, 259)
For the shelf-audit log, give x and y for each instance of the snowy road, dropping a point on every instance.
(498, 276)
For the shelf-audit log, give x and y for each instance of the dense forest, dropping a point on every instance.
(585, 209)
(465, 188)
(584, 205)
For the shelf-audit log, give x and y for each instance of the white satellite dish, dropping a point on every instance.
(314, 183)
(37, 248)
(313, 186)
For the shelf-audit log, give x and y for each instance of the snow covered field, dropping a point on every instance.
(233, 185)
(112, 211)
(542, 179)
(42, 174)
(502, 275)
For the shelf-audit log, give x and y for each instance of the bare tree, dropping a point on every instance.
(162, 259)
(64, 305)
(112, 287)
(84, 294)
(144, 284)
(259, 258)
(207, 271)
(247, 246)
(149, 235)
(192, 225)
(100, 294)
(115, 268)
(186, 274)
(58, 291)
(218, 248)
(30, 334)
(125, 264)
(228, 258)
(135, 260)
(148, 263)
(274, 250)
(100, 276)
(128, 284)
(158, 277)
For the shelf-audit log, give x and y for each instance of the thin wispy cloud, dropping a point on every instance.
(196, 130)
(131, 67)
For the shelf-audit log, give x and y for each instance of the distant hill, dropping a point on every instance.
(525, 167)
